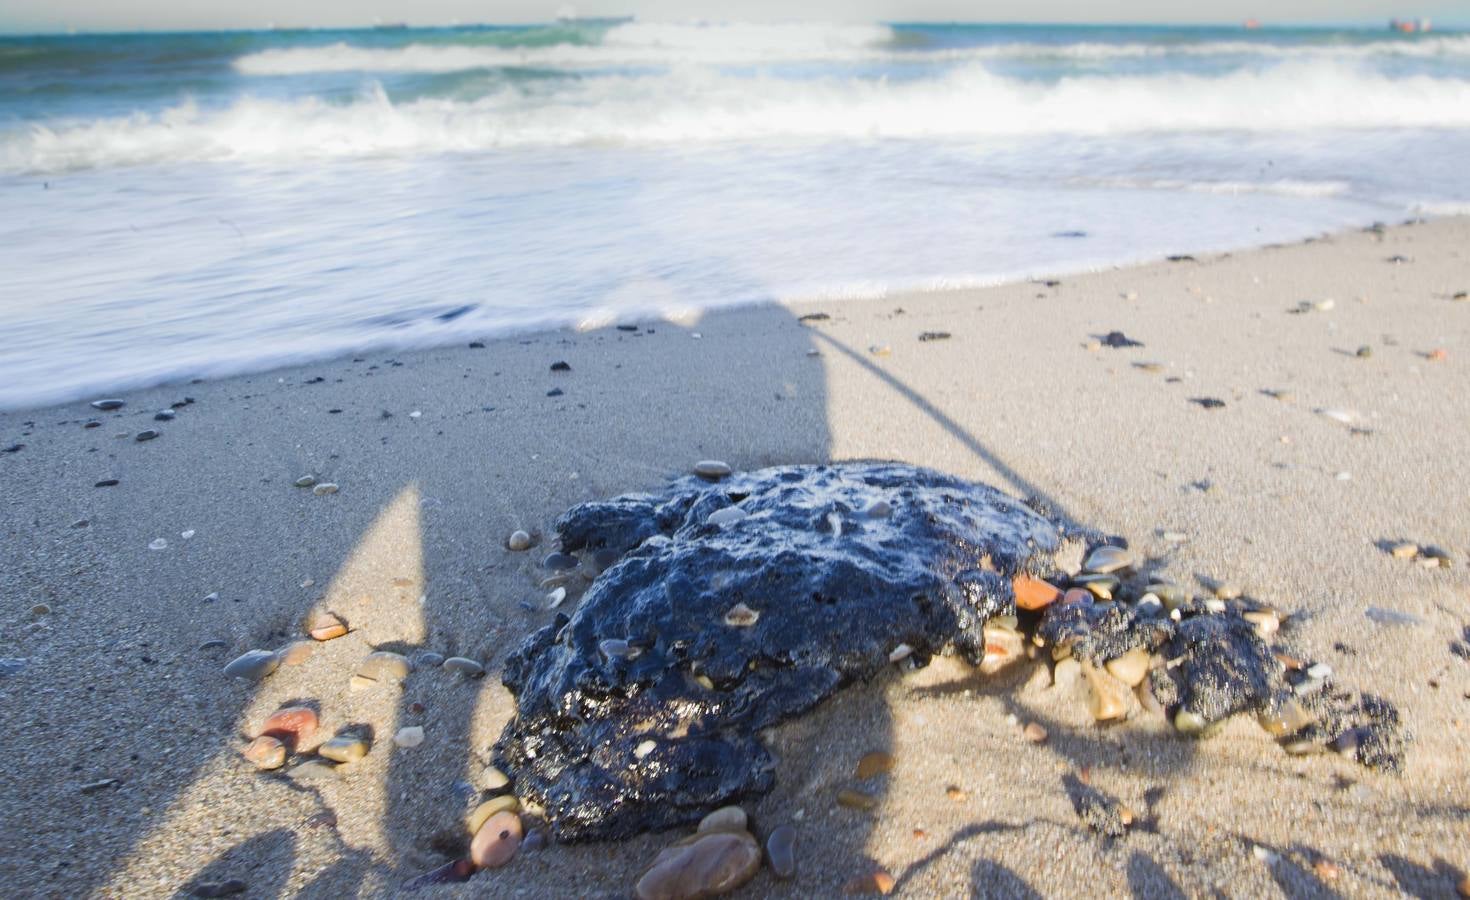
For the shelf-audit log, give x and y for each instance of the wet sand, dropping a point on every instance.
(122, 736)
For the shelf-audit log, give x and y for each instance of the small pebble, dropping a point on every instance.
(1107, 559)
(1404, 550)
(1319, 670)
(326, 627)
(781, 852)
(253, 665)
(556, 598)
(741, 616)
(1034, 733)
(561, 367)
(727, 516)
(464, 666)
(560, 562)
(266, 752)
(482, 812)
(881, 350)
(497, 841)
(856, 800)
(164, 415)
(158, 544)
(492, 779)
(345, 748)
(956, 794)
(1186, 722)
(644, 748)
(879, 882)
(704, 865)
(385, 665)
(1264, 854)
(518, 541)
(616, 648)
(291, 725)
(107, 405)
(900, 653)
(1227, 591)
(1326, 870)
(874, 763)
(728, 818)
(409, 736)
(324, 488)
(712, 469)
(305, 481)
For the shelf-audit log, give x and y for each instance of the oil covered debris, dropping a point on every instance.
(831, 568)
(728, 607)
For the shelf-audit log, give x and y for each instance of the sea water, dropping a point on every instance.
(177, 205)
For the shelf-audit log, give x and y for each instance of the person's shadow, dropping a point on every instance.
(433, 476)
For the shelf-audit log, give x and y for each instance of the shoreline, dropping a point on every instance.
(603, 318)
(125, 737)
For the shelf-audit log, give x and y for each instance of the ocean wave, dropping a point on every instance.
(635, 43)
(655, 44)
(694, 106)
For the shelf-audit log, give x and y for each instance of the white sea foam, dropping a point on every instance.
(652, 44)
(1285, 187)
(701, 105)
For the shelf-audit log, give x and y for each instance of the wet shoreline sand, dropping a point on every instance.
(123, 735)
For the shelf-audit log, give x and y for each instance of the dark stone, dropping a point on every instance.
(1226, 667)
(477, 345)
(627, 327)
(107, 405)
(836, 592)
(814, 317)
(107, 482)
(1181, 257)
(13, 448)
(92, 424)
(1118, 340)
(1097, 810)
(561, 367)
(935, 336)
(1069, 234)
(147, 435)
(164, 415)
(1208, 402)
(555, 392)
(560, 562)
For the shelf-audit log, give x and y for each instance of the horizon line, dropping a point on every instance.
(1451, 26)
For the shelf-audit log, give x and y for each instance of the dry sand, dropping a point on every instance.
(441, 454)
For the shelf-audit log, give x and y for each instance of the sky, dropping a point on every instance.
(130, 15)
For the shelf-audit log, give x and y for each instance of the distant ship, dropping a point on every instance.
(1410, 26)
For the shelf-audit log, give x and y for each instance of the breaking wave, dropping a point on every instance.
(705, 106)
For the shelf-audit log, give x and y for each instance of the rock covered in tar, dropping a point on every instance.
(835, 591)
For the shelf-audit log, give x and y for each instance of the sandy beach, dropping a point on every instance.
(1339, 430)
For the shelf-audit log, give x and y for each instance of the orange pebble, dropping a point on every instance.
(1033, 593)
(1437, 355)
(326, 627)
(291, 725)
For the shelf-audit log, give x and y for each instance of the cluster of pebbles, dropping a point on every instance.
(730, 602)
(733, 601)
